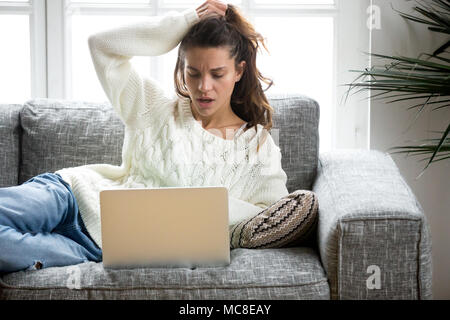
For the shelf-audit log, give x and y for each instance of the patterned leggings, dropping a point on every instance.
(291, 221)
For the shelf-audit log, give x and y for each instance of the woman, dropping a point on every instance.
(213, 132)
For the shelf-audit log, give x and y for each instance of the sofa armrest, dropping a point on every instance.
(373, 236)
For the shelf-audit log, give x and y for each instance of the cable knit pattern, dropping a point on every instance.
(163, 144)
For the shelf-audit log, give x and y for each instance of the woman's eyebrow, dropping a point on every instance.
(215, 69)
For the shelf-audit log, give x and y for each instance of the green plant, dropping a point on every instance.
(426, 78)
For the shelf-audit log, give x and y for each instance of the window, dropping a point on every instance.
(312, 45)
(15, 57)
(22, 57)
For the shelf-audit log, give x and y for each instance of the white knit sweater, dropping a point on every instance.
(164, 146)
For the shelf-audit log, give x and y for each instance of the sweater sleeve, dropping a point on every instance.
(269, 187)
(131, 95)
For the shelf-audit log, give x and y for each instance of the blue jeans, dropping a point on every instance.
(41, 227)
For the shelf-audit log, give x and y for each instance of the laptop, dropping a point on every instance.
(165, 227)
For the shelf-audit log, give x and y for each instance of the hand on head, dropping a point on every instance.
(212, 7)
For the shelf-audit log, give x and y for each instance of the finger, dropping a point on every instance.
(209, 9)
(217, 10)
(202, 11)
(220, 5)
(204, 6)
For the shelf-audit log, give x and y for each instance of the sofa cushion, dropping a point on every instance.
(59, 134)
(9, 144)
(288, 273)
(296, 127)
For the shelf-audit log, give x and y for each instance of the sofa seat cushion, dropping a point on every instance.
(288, 273)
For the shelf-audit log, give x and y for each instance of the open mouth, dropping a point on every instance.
(205, 102)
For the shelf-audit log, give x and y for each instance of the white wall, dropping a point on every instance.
(353, 40)
(388, 128)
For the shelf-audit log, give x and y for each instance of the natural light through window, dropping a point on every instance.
(300, 62)
(85, 84)
(302, 37)
(301, 2)
(15, 79)
(111, 1)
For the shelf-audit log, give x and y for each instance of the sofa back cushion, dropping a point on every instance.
(60, 133)
(296, 122)
(9, 144)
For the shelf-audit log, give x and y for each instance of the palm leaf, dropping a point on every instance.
(439, 146)
(442, 48)
(442, 146)
(421, 62)
(437, 20)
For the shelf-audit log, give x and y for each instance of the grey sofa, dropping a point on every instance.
(372, 239)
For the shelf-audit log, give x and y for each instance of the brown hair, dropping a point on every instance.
(248, 100)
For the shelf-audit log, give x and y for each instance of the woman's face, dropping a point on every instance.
(209, 72)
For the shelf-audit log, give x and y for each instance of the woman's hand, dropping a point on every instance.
(212, 7)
